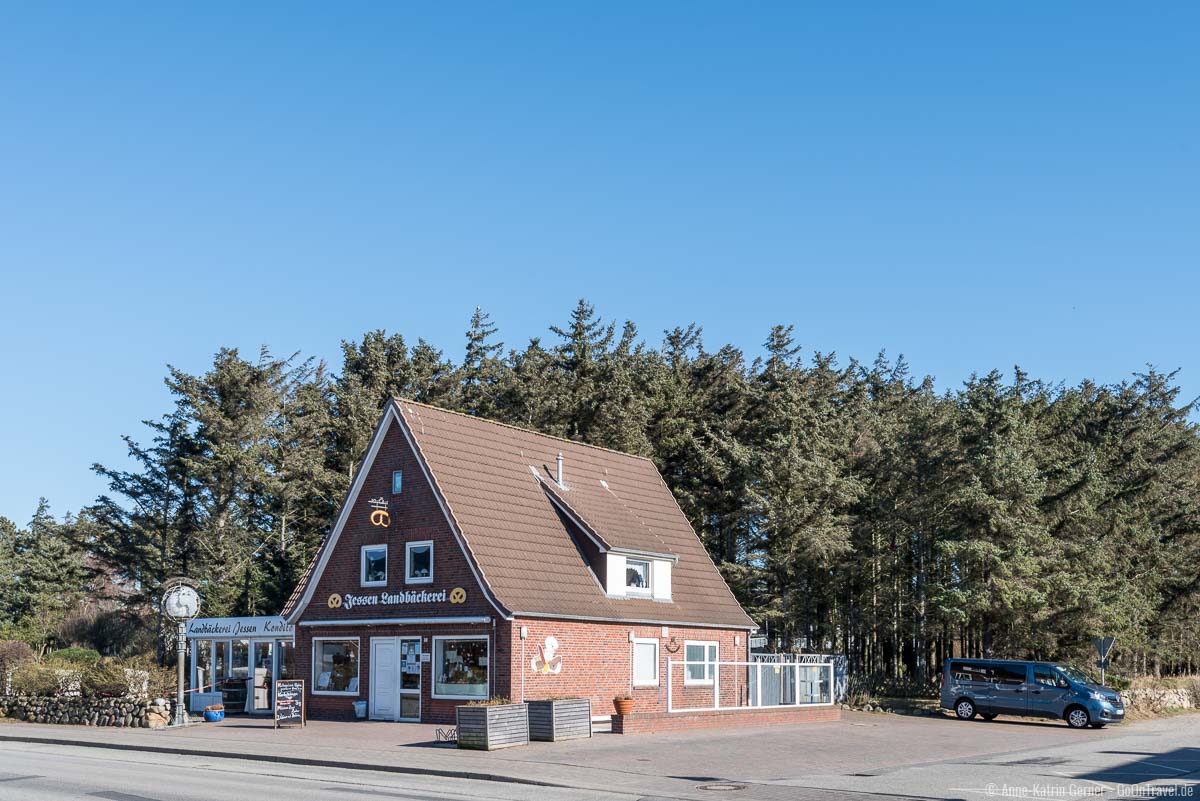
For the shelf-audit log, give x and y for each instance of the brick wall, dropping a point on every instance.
(647, 723)
(596, 663)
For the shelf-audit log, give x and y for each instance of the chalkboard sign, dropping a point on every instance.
(289, 702)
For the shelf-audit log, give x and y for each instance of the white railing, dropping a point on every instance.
(748, 685)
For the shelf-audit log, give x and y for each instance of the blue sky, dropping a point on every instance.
(972, 187)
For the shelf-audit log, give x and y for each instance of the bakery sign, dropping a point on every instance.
(201, 627)
(354, 600)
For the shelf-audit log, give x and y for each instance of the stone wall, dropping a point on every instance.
(121, 712)
(1154, 700)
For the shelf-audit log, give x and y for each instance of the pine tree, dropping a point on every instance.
(480, 375)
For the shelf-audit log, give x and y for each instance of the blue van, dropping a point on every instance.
(991, 687)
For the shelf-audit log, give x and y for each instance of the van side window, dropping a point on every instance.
(970, 671)
(1048, 677)
(1009, 674)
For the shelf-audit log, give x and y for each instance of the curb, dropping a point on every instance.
(286, 760)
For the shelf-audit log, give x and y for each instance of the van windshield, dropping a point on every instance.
(1075, 674)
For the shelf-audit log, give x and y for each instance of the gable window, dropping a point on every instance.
(373, 567)
(419, 563)
(397, 481)
(637, 576)
(645, 663)
(701, 658)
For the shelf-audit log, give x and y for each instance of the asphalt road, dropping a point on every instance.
(863, 758)
(34, 772)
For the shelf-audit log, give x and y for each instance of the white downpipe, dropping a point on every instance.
(669, 684)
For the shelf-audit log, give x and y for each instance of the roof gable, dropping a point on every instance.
(391, 447)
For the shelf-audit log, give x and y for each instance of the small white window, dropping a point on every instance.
(373, 568)
(637, 576)
(702, 662)
(419, 563)
(645, 663)
(397, 481)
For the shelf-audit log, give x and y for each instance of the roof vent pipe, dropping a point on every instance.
(559, 460)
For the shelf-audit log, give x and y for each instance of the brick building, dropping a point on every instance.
(473, 559)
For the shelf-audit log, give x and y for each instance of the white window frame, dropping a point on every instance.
(649, 588)
(408, 577)
(397, 474)
(710, 663)
(362, 565)
(358, 659)
(633, 662)
(435, 666)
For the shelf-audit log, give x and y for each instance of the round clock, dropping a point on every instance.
(181, 602)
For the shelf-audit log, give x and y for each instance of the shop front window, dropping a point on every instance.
(335, 666)
(240, 667)
(204, 677)
(287, 659)
(220, 663)
(264, 667)
(460, 666)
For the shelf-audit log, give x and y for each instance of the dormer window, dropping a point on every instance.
(638, 576)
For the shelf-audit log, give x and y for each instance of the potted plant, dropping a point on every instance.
(560, 718)
(491, 724)
(214, 713)
(623, 703)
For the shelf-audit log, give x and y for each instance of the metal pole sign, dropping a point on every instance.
(181, 603)
(1103, 648)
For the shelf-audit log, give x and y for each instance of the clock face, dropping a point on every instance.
(182, 602)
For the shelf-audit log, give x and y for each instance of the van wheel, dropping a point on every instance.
(988, 715)
(1078, 718)
(965, 709)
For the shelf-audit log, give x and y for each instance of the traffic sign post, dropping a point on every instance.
(1103, 648)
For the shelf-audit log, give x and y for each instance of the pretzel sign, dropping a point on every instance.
(380, 516)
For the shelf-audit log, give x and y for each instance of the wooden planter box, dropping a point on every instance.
(486, 728)
(552, 721)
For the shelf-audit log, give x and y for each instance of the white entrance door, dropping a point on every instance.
(385, 675)
(396, 678)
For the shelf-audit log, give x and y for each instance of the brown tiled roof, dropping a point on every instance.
(483, 471)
